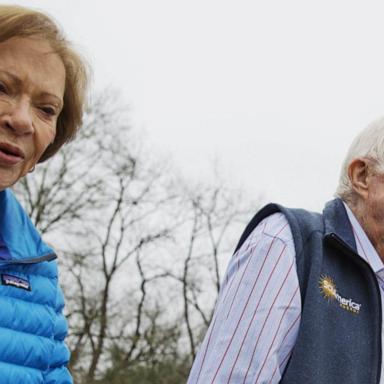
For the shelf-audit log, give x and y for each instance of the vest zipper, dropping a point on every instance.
(340, 243)
(32, 260)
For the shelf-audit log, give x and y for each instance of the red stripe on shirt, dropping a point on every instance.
(265, 321)
(243, 311)
(255, 311)
(240, 281)
(277, 331)
(290, 352)
(206, 350)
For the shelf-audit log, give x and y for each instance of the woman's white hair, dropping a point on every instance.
(368, 144)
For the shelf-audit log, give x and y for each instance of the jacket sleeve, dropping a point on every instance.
(257, 315)
(58, 372)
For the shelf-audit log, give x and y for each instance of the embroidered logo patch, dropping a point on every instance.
(15, 281)
(329, 291)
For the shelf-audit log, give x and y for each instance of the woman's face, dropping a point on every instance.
(32, 84)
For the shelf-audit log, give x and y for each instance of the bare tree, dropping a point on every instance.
(134, 243)
(61, 190)
(99, 201)
(214, 214)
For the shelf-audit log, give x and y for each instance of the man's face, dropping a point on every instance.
(32, 83)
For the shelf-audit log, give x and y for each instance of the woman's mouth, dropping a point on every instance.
(10, 154)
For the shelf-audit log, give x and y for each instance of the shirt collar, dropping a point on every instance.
(365, 249)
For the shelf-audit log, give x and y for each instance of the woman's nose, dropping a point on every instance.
(18, 118)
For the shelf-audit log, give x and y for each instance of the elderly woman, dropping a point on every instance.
(42, 90)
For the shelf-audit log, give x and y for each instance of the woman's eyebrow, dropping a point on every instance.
(58, 100)
(14, 78)
(18, 82)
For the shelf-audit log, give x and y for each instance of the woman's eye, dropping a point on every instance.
(49, 111)
(3, 88)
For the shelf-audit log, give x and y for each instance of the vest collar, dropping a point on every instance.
(336, 222)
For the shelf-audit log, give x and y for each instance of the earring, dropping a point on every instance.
(32, 169)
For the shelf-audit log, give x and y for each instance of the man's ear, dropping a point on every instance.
(358, 172)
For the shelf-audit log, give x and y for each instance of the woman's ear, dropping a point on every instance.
(359, 175)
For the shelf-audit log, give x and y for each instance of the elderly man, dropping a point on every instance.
(302, 299)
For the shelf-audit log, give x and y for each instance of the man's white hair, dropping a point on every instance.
(368, 144)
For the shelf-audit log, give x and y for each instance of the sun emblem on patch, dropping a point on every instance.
(327, 287)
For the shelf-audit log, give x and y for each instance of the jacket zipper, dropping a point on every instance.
(32, 260)
(338, 242)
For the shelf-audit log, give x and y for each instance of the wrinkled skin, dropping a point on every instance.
(32, 84)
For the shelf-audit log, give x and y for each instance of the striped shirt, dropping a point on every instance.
(367, 252)
(257, 315)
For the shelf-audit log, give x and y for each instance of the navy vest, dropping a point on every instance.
(339, 340)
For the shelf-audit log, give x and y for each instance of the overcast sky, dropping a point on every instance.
(274, 90)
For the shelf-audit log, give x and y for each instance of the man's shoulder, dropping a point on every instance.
(275, 226)
(289, 223)
(294, 216)
(301, 222)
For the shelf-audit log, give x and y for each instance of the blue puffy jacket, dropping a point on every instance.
(32, 326)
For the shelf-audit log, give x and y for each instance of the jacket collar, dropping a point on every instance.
(337, 223)
(19, 239)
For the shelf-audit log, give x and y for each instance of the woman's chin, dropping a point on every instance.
(8, 177)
